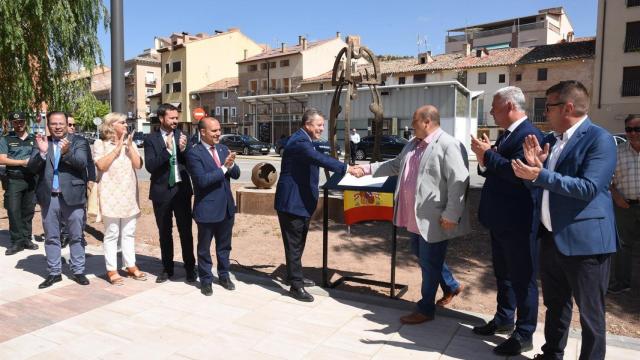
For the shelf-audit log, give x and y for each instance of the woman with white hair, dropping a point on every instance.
(116, 157)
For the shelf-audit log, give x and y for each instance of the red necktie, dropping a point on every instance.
(215, 155)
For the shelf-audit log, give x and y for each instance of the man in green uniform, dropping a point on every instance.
(15, 150)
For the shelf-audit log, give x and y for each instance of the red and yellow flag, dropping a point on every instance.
(364, 206)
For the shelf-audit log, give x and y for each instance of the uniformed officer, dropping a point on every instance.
(19, 196)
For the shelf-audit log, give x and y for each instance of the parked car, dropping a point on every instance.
(620, 138)
(91, 137)
(138, 138)
(245, 144)
(321, 145)
(390, 146)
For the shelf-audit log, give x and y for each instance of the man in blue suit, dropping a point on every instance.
(297, 195)
(505, 209)
(573, 215)
(211, 167)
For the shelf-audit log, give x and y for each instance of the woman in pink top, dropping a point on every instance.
(117, 158)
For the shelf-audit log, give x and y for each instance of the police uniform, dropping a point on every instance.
(19, 196)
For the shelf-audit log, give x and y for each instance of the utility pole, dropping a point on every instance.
(117, 57)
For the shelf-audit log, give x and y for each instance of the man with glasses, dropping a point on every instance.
(19, 197)
(626, 196)
(569, 176)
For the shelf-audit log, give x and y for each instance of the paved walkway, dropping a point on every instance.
(145, 320)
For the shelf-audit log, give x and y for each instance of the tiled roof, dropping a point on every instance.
(560, 52)
(220, 85)
(497, 57)
(288, 50)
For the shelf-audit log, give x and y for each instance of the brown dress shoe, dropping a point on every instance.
(448, 297)
(415, 318)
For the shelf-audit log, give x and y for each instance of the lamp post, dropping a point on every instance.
(117, 57)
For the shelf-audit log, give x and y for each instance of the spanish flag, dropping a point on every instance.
(364, 206)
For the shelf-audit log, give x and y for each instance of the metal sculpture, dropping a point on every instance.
(264, 175)
(347, 74)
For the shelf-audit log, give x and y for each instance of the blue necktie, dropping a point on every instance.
(56, 161)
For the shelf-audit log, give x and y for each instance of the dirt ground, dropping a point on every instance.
(364, 251)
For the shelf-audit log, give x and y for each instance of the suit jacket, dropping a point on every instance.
(156, 161)
(443, 179)
(213, 198)
(580, 203)
(506, 202)
(72, 172)
(297, 189)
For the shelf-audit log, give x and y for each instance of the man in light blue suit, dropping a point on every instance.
(569, 175)
(211, 167)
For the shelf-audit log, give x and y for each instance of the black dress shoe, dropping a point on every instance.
(50, 280)
(491, 328)
(30, 245)
(513, 346)
(80, 279)
(192, 275)
(206, 289)
(300, 294)
(227, 283)
(13, 249)
(164, 277)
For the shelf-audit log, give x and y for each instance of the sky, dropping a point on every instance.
(400, 27)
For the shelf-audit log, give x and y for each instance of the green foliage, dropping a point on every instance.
(41, 41)
(88, 107)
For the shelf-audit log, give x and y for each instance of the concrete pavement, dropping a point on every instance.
(145, 320)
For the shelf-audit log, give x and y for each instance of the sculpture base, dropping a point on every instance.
(251, 200)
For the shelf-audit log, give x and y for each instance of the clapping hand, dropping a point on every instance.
(183, 142)
(231, 158)
(169, 142)
(120, 142)
(43, 144)
(480, 146)
(64, 145)
(533, 153)
(356, 171)
(446, 224)
(130, 141)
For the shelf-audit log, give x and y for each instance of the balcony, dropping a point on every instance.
(501, 31)
(150, 82)
(631, 88)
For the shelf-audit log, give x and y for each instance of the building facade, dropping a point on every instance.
(220, 100)
(616, 69)
(142, 79)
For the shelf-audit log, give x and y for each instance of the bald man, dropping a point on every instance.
(430, 202)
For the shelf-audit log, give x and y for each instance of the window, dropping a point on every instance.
(166, 68)
(265, 84)
(234, 112)
(272, 64)
(542, 74)
(481, 118)
(632, 39)
(263, 66)
(286, 85)
(502, 78)
(176, 66)
(274, 85)
(284, 63)
(177, 87)
(518, 77)
(167, 88)
(482, 78)
(150, 77)
(402, 80)
(150, 91)
(631, 81)
(253, 86)
(321, 86)
(419, 78)
(225, 94)
(217, 110)
(632, 3)
(253, 67)
(539, 105)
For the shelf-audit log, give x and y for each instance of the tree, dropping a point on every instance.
(86, 108)
(40, 42)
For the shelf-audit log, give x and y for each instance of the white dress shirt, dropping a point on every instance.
(563, 139)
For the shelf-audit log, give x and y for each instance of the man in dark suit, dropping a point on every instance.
(297, 195)
(211, 166)
(505, 209)
(61, 164)
(170, 191)
(573, 215)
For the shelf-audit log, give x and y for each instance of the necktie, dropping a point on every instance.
(503, 138)
(172, 163)
(216, 158)
(56, 161)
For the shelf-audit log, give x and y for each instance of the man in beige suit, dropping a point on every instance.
(430, 203)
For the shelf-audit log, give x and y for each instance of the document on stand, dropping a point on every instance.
(365, 181)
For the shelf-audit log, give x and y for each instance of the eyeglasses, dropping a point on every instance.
(71, 124)
(632, 129)
(554, 104)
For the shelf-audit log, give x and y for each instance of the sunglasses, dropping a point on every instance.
(71, 124)
(632, 129)
(547, 106)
